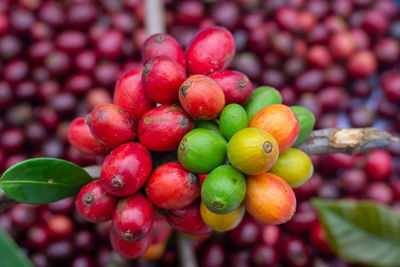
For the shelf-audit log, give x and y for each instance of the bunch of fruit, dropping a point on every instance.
(209, 126)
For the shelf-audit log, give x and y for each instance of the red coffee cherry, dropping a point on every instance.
(161, 230)
(130, 95)
(201, 97)
(378, 165)
(111, 124)
(130, 249)
(188, 220)
(361, 64)
(133, 218)
(236, 85)
(60, 226)
(162, 44)
(163, 127)
(170, 186)
(319, 240)
(211, 50)
(157, 87)
(81, 138)
(126, 169)
(94, 204)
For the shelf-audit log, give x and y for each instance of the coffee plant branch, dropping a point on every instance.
(325, 141)
(347, 141)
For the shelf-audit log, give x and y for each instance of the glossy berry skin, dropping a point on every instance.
(126, 169)
(188, 220)
(211, 50)
(81, 138)
(129, 94)
(163, 127)
(129, 249)
(201, 97)
(111, 124)
(378, 165)
(236, 86)
(133, 218)
(94, 204)
(162, 76)
(170, 186)
(162, 44)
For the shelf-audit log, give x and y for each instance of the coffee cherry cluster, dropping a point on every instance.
(188, 102)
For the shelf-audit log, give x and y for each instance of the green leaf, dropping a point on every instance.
(361, 231)
(43, 180)
(10, 253)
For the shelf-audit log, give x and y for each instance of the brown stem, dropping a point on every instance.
(348, 141)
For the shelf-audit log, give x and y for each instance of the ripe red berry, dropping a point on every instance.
(378, 165)
(60, 226)
(188, 220)
(319, 240)
(162, 44)
(380, 192)
(81, 138)
(375, 22)
(38, 236)
(246, 233)
(236, 85)
(353, 181)
(390, 83)
(94, 204)
(170, 186)
(162, 230)
(295, 252)
(211, 50)
(111, 124)
(163, 127)
(319, 56)
(262, 255)
(361, 64)
(126, 169)
(342, 44)
(157, 87)
(129, 249)
(270, 235)
(129, 94)
(133, 218)
(201, 97)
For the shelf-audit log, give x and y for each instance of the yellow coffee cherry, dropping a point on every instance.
(222, 222)
(294, 166)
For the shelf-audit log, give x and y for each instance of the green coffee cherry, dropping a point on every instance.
(233, 118)
(306, 121)
(260, 98)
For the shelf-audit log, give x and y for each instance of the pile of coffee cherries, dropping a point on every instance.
(207, 127)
